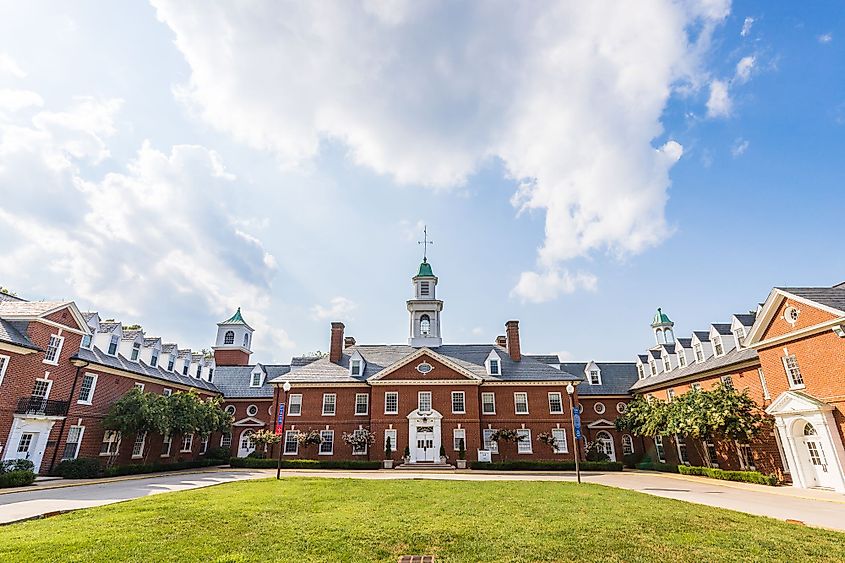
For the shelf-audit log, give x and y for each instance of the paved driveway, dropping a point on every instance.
(815, 508)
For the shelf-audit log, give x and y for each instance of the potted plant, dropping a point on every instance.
(462, 455)
(442, 454)
(388, 454)
(406, 457)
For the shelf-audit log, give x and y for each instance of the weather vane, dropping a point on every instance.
(425, 242)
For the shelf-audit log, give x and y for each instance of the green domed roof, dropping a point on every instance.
(425, 269)
(661, 318)
(235, 319)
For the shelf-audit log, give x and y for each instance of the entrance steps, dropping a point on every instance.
(426, 466)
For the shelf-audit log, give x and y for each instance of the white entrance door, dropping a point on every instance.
(605, 442)
(425, 444)
(819, 473)
(246, 445)
(26, 445)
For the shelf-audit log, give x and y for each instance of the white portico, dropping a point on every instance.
(424, 436)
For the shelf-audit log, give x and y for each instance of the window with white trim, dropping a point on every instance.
(138, 446)
(329, 404)
(291, 443)
(718, 349)
(391, 434)
(746, 457)
(113, 345)
(459, 435)
(87, 339)
(559, 434)
(667, 363)
(640, 371)
(74, 439)
(489, 443)
(139, 386)
(681, 443)
(136, 351)
(86, 389)
(555, 403)
(695, 386)
(229, 338)
(251, 410)
(658, 446)
(4, 364)
(598, 407)
(170, 362)
(728, 381)
(488, 403)
(670, 394)
(763, 384)
(458, 402)
(494, 366)
(167, 392)
(41, 389)
(682, 359)
(186, 366)
(111, 443)
(653, 366)
(167, 443)
(425, 325)
(520, 403)
(199, 371)
(54, 349)
(230, 409)
(226, 440)
(355, 367)
(295, 405)
(359, 449)
(246, 340)
(204, 445)
(523, 443)
(327, 445)
(187, 443)
(362, 404)
(255, 380)
(424, 401)
(793, 372)
(391, 402)
(698, 350)
(154, 359)
(627, 445)
(739, 334)
(595, 377)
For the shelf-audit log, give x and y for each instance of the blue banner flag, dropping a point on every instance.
(280, 421)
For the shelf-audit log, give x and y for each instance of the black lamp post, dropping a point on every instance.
(570, 390)
(285, 388)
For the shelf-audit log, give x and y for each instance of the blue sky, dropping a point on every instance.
(577, 168)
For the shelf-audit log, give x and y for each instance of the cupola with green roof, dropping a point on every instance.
(425, 270)
(662, 326)
(424, 309)
(234, 341)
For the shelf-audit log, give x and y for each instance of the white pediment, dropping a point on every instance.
(248, 421)
(601, 423)
(796, 402)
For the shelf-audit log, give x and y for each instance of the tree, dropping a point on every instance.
(548, 439)
(134, 413)
(359, 439)
(311, 437)
(264, 438)
(507, 435)
(388, 449)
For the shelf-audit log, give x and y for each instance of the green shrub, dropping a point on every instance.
(741, 476)
(252, 463)
(16, 465)
(546, 465)
(657, 466)
(81, 468)
(157, 467)
(631, 460)
(218, 453)
(16, 478)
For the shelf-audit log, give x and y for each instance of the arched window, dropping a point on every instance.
(627, 445)
(246, 340)
(809, 430)
(425, 325)
(229, 337)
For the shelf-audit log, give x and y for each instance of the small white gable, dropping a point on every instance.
(257, 377)
(592, 373)
(357, 364)
(493, 363)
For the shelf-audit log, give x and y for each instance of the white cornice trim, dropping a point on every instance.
(7, 347)
(801, 333)
(424, 351)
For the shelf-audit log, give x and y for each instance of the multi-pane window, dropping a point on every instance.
(86, 341)
(199, 371)
(327, 445)
(391, 402)
(595, 378)
(74, 438)
(111, 443)
(424, 401)
(54, 348)
(362, 403)
(425, 325)
(712, 458)
(113, 344)
(763, 384)
(488, 403)
(494, 366)
(359, 448)
(329, 404)
(229, 338)
(728, 381)
(520, 401)
(4, 363)
(667, 364)
(670, 394)
(86, 389)
(699, 352)
(627, 445)
(746, 458)
(718, 349)
(683, 455)
(790, 364)
(653, 367)
(295, 405)
(171, 361)
(555, 403)
(41, 389)
(559, 434)
(139, 386)
(186, 366)
(256, 379)
(204, 444)
(167, 392)
(291, 443)
(187, 443)
(136, 351)
(740, 336)
(682, 359)
(640, 371)
(459, 437)
(458, 402)
(168, 441)
(138, 446)
(390, 434)
(695, 386)
(226, 440)
(523, 444)
(355, 367)
(489, 443)
(154, 358)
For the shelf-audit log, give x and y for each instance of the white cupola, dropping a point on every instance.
(424, 309)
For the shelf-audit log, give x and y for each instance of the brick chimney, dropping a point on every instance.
(512, 330)
(502, 341)
(336, 346)
(348, 341)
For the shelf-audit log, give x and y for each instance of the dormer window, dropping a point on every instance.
(246, 340)
(682, 359)
(154, 358)
(595, 377)
(640, 371)
(136, 351)
(355, 367)
(229, 338)
(699, 352)
(495, 367)
(256, 379)
(718, 349)
(113, 344)
(186, 367)
(425, 289)
(170, 362)
(86, 341)
(740, 336)
(667, 364)
(653, 367)
(425, 325)
(199, 371)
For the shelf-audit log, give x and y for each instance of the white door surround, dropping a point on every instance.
(424, 429)
(605, 441)
(39, 429)
(811, 440)
(245, 445)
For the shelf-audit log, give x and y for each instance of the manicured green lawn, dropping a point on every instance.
(357, 520)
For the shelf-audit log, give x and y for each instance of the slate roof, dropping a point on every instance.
(471, 357)
(550, 359)
(168, 348)
(830, 296)
(97, 356)
(733, 357)
(14, 332)
(616, 377)
(703, 335)
(132, 334)
(108, 326)
(747, 319)
(233, 381)
(29, 308)
(670, 348)
(300, 361)
(723, 328)
(684, 342)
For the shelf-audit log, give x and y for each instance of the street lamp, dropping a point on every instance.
(280, 424)
(570, 390)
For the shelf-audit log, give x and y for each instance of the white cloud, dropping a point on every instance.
(16, 100)
(746, 26)
(739, 147)
(536, 287)
(744, 68)
(477, 331)
(825, 38)
(339, 308)
(10, 67)
(154, 242)
(719, 103)
(567, 96)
